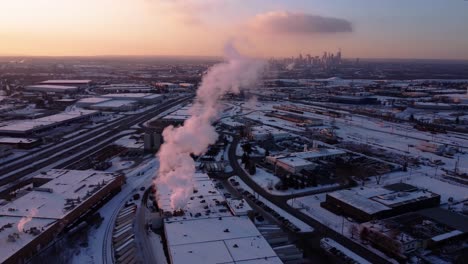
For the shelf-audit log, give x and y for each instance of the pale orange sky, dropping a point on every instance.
(201, 27)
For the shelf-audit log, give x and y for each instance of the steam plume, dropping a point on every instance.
(197, 133)
(26, 219)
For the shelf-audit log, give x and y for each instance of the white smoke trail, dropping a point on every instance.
(176, 165)
(26, 219)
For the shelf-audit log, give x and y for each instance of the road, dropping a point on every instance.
(321, 229)
(93, 141)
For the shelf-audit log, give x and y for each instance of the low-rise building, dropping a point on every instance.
(206, 231)
(59, 198)
(367, 203)
(401, 235)
(295, 162)
(263, 132)
(48, 88)
(27, 127)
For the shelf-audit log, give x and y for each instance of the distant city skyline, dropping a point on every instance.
(430, 29)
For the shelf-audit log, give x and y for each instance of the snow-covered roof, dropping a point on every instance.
(216, 240)
(27, 125)
(52, 199)
(46, 205)
(12, 240)
(238, 206)
(394, 199)
(51, 88)
(354, 199)
(311, 154)
(208, 232)
(446, 235)
(16, 140)
(93, 100)
(114, 103)
(66, 82)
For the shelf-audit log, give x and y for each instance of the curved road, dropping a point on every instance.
(321, 229)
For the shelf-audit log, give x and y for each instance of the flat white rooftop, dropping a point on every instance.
(215, 235)
(114, 103)
(66, 82)
(27, 125)
(216, 240)
(66, 185)
(16, 140)
(93, 100)
(46, 205)
(133, 95)
(51, 88)
(363, 203)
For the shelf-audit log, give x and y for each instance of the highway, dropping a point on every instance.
(321, 229)
(85, 144)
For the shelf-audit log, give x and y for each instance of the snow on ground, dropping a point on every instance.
(141, 175)
(158, 247)
(265, 179)
(119, 164)
(303, 226)
(274, 122)
(310, 205)
(436, 185)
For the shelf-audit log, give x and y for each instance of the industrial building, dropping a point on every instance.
(28, 127)
(263, 132)
(366, 203)
(89, 101)
(145, 98)
(58, 199)
(77, 83)
(125, 88)
(420, 230)
(49, 88)
(115, 105)
(231, 238)
(19, 143)
(295, 162)
(298, 119)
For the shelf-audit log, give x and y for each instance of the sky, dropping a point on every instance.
(429, 29)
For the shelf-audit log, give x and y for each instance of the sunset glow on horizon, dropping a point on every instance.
(388, 29)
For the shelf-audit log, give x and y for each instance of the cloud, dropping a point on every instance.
(298, 23)
(189, 12)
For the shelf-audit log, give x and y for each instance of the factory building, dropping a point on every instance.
(425, 229)
(144, 98)
(263, 132)
(78, 83)
(28, 127)
(115, 106)
(19, 143)
(125, 88)
(32, 221)
(366, 203)
(49, 88)
(231, 238)
(296, 162)
(89, 101)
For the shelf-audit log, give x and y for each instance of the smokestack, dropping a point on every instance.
(176, 165)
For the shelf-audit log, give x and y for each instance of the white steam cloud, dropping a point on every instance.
(177, 167)
(26, 219)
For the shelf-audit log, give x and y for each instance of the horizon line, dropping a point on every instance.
(216, 57)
